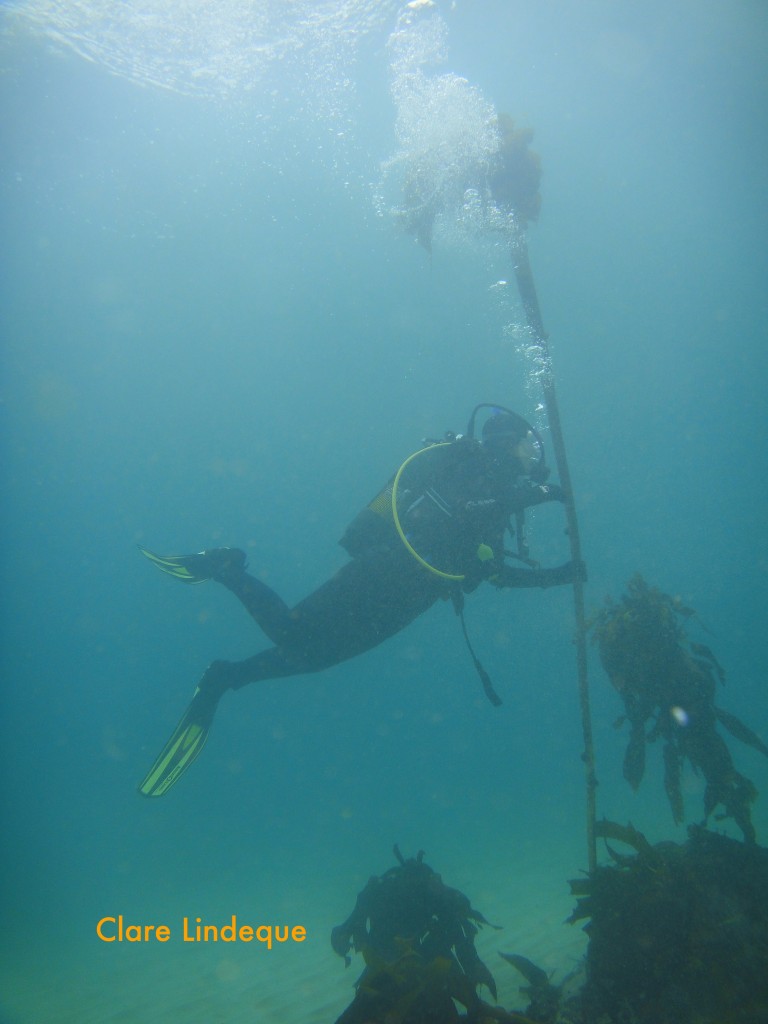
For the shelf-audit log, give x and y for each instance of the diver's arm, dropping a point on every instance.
(513, 576)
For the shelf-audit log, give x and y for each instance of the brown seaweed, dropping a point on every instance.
(672, 782)
(543, 995)
(680, 941)
(667, 684)
(626, 834)
(634, 757)
(417, 939)
(515, 179)
(705, 653)
(740, 731)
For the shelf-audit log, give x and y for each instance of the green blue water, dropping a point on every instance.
(214, 334)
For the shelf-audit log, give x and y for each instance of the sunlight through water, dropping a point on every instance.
(209, 49)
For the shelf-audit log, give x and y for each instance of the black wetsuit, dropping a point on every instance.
(455, 502)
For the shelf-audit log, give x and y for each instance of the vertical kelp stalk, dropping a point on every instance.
(529, 299)
(458, 157)
(515, 186)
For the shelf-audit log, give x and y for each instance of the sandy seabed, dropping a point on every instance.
(240, 983)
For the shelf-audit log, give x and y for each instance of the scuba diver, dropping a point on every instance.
(436, 530)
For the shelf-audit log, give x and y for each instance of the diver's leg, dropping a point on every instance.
(266, 608)
(227, 566)
(367, 601)
(274, 663)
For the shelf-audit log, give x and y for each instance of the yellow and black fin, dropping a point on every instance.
(183, 748)
(187, 568)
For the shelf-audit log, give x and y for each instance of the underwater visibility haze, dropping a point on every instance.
(249, 266)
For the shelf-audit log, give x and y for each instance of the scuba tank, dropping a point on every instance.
(373, 527)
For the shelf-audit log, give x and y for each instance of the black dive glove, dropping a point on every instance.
(551, 492)
(569, 572)
(529, 494)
